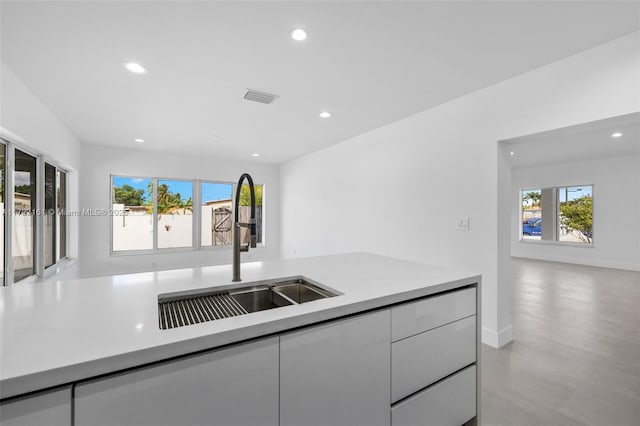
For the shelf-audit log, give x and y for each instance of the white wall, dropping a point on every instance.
(397, 190)
(101, 162)
(26, 117)
(27, 122)
(616, 209)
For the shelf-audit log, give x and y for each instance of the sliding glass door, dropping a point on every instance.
(24, 219)
(3, 220)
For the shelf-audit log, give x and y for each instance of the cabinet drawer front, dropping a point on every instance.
(416, 317)
(451, 402)
(420, 360)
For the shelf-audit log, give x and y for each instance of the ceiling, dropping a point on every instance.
(369, 63)
(587, 141)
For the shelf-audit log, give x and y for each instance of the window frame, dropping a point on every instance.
(556, 218)
(196, 243)
(52, 269)
(40, 271)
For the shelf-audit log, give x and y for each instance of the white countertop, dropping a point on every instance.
(61, 332)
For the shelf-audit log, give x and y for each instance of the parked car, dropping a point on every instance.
(532, 227)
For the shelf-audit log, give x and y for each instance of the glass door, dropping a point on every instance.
(3, 221)
(24, 219)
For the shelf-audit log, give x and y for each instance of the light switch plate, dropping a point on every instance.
(462, 223)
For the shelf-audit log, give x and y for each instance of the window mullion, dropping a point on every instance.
(9, 217)
(196, 211)
(155, 214)
(38, 238)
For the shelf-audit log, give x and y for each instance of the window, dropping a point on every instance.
(136, 226)
(33, 225)
(24, 221)
(3, 197)
(50, 217)
(216, 214)
(132, 220)
(61, 236)
(55, 221)
(558, 214)
(175, 213)
(532, 214)
(575, 214)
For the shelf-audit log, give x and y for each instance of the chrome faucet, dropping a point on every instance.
(237, 247)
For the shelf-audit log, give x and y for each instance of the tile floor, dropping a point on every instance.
(575, 358)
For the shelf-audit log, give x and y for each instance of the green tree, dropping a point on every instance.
(578, 215)
(534, 197)
(128, 195)
(167, 200)
(245, 195)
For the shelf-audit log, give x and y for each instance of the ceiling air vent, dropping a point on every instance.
(262, 97)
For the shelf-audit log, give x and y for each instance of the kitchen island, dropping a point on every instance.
(399, 339)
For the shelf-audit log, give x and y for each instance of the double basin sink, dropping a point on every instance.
(192, 307)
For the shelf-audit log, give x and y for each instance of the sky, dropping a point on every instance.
(573, 192)
(216, 191)
(570, 192)
(210, 191)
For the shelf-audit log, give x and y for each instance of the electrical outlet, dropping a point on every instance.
(462, 223)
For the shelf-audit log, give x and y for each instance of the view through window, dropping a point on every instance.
(61, 229)
(563, 214)
(33, 234)
(244, 213)
(133, 218)
(175, 213)
(532, 214)
(132, 221)
(216, 214)
(24, 194)
(575, 214)
(3, 153)
(50, 216)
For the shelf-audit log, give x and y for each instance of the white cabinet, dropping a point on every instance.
(233, 386)
(425, 358)
(451, 402)
(412, 318)
(337, 373)
(409, 364)
(434, 352)
(49, 408)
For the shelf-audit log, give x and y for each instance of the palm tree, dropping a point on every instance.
(533, 197)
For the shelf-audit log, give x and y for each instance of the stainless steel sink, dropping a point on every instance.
(260, 298)
(193, 307)
(301, 291)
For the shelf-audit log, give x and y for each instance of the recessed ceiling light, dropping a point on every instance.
(616, 135)
(299, 34)
(255, 155)
(138, 140)
(512, 153)
(325, 114)
(136, 68)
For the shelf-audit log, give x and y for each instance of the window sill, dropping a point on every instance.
(557, 243)
(58, 268)
(176, 250)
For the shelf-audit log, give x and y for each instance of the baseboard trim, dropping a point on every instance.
(580, 261)
(497, 339)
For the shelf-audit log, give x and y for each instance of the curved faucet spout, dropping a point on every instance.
(237, 247)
